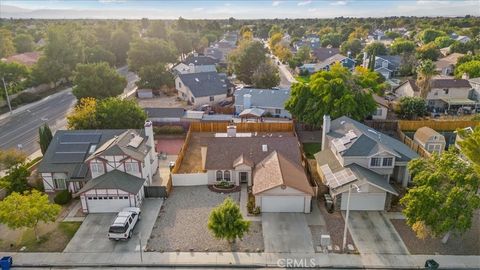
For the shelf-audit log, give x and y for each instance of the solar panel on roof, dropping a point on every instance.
(68, 158)
(135, 141)
(72, 148)
(80, 138)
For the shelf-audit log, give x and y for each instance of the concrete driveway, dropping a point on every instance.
(286, 232)
(372, 232)
(92, 234)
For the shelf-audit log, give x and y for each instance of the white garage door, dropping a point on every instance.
(106, 204)
(365, 201)
(283, 204)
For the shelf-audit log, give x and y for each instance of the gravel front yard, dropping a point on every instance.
(182, 224)
(335, 225)
(468, 244)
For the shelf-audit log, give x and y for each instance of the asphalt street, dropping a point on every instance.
(20, 130)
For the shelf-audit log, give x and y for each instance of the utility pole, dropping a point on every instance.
(6, 95)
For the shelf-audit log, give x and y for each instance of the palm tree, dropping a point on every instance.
(425, 72)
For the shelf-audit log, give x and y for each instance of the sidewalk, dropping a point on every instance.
(185, 259)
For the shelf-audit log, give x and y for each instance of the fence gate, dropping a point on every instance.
(155, 192)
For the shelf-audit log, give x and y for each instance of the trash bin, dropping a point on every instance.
(431, 265)
(6, 262)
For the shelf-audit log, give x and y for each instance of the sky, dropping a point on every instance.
(239, 9)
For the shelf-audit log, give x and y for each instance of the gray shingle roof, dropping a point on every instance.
(115, 180)
(368, 140)
(371, 177)
(323, 54)
(450, 83)
(200, 60)
(205, 84)
(164, 112)
(393, 61)
(263, 98)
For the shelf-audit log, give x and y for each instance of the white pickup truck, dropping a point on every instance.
(125, 221)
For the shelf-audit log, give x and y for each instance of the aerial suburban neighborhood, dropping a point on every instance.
(227, 134)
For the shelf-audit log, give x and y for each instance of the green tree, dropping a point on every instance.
(246, 60)
(331, 39)
(24, 43)
(429, 35)
(266, 76)
(98, 54)
(183, 42)
(471, 68)
(150, 52)
(467, 58)
(368, 79)
(470, 147)
(303, 54)
(16, 179)
(98, 81)
(116, 113)
(275, 29)
(425, 71)
(11, 158)
(45, 135)
(412, 107)
(155, 77)
(7, 47)
(400, 46)
(226, 221)
(120, 45)
(428, 51)
(14, 75)
(354, 46)
(84, 115)
(275, 39)
(157, 29)
(443, 198)
(376, 48)
(34, 207)
(336, 92)
(443, 41)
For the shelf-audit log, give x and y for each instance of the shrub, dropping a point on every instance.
(24, 98)
(168, 130)
(251, 205)
(63, 197)
(256, 211)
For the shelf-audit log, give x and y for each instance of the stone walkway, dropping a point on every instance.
(243, 205)
(71, 215)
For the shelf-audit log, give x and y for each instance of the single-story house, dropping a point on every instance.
(322, 54)
(271, 101)
(382, 108)
(203, 88)
(326, 64)
(270, 163)
(355, 155)
(162, 115)
(195, 63)
(445, 66)
(430, 140)
(408, 88)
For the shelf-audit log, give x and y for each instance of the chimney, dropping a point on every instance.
(149, 132)
(195, 54)
(231, 131)
(349, 54)
(191, 68)
(247, 101)
(325, 130)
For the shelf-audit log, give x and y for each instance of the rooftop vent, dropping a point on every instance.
(197, 80)
(264, 148)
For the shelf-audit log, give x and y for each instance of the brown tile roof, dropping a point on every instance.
(448, 60)
(242, 160)
(277, 171)
(27, 59)
(223, 152)
(450, 83)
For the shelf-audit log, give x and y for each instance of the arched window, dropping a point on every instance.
(226, 175)
(219, 175)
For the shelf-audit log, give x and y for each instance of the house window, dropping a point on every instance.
(219, 175)
(446, 91)
(97, 167)
(179, 84)
(375, 162)
(212, 98)
(226, 176)
(378, 112)
(278, 111)
(387, 162)
(131, 167)
(60, 184)
(193, 100)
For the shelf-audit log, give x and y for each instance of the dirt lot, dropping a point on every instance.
(162, 101)
(192, 161)
(182, 224)
(171, 146)
(335, 225)
(468, 244)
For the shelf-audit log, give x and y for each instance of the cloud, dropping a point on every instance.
(276, 3)
(338, 3)
(304, 3)
(112, 1)
(312, 9)
(198, 9)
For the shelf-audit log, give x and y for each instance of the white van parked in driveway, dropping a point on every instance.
(122, 227)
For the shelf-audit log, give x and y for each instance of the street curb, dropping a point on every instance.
(28, 106)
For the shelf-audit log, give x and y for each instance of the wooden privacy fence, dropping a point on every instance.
(438, 125)
(412, 144)
(242, 127)
(182, 152)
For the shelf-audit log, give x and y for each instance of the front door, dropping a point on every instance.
(243, 177)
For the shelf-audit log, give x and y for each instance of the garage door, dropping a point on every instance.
(106, 204)
(283, 204)
(366, 201)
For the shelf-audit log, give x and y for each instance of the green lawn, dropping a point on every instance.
(311, 148)
(303, 79)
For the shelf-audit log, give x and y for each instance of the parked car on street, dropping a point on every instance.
(124, 223)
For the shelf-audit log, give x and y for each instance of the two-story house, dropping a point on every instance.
(328, 63)
(195, 63)
(449, 94)
(360, 159)
(446, 65)
(107, 169)
(270, 101)
(387, 65)
(203, 88)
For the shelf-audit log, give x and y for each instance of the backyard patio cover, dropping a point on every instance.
(458, 101)
(252, 112)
